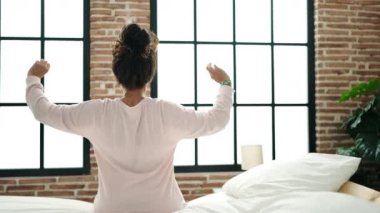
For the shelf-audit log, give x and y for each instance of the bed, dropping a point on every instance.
(315, 183)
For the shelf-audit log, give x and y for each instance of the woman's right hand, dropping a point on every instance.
(217, 74)
(39, 68)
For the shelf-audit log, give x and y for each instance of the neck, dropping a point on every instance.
(133, 97)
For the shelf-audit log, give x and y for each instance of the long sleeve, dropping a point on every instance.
(76, 118)
(188, 123)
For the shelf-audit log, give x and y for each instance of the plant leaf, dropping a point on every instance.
(368, 145)
(373, 85)
(350, 151)
(359, 90)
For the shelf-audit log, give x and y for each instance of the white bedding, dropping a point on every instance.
(306, 185)
(23, 204)
(305, 202)
(291, 202)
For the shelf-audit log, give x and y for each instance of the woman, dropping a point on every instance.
(134, 137)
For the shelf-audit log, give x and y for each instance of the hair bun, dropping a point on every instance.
(135, 38)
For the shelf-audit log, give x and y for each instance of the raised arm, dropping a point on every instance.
(188, 123)
(75, 118)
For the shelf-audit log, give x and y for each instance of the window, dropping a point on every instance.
(30, 30)
(267, 48)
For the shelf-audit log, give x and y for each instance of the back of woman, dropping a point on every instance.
(134, 157)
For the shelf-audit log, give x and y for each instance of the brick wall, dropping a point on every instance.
(347, 52)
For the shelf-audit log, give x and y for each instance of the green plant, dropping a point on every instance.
(363, 125)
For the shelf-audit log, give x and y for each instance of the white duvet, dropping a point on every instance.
(21, 204)
(305, 202)
(292, 202)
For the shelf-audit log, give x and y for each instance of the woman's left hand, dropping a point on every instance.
(39, 68)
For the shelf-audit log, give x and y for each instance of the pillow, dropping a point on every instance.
(311, 172)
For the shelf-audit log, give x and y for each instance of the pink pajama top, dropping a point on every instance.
(134, 146)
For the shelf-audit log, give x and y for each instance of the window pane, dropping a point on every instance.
(175, 20)
(19, 139)
(176, 72)
(21, 18)
(16, 59)
(290, 21)
(291, 132)
(62, 150)
(218, 148)
(254, 126)
(58, 23)
(290, 70)
(214, 20)
(253, 21)
(220, 55)
(185, 153)
(253, 73)
(64, 82)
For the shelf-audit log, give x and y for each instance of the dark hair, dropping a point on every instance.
(135, 57)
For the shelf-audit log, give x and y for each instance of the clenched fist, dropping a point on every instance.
(39, 68)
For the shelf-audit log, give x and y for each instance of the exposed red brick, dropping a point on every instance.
(332, 45)
(339, 1)
(340, 52)
(333, 58)
(365, 59)
(324, 145)
(18, 193)
(366, 8)
(185, 191)
(339, 13)
(326, 118)
(86, 199)
(25, 187)
(340, 64)
(108, 5)
(97, 12)
(369, 14)
(321, 7)
(55, 193)
(66, 186)
(374, 66)
(92, 186)
(87, 192)
(369, 2)
(8, 181)
(76, 178)
(37, 180)
(212, 184)
(223, 176)
(189, 185)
